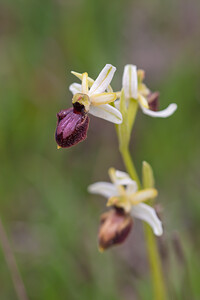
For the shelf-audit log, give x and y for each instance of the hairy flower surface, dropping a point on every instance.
(123, 193)
(134, 88)
(71, 128)
(88, 97)
(114, 228)
(97, 99)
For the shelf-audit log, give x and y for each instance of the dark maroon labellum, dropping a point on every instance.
(115, 226)
(72, 126)
(153, 101)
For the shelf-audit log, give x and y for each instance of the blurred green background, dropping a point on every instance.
(50, 219)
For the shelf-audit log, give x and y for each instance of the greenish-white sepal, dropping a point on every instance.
(85, 83)
(106, 112)
(103, 80)
(105, 189)
(167, 112)
(148, 180)
(80, 76)
(75, 88)
(146, 213)
(130, 81)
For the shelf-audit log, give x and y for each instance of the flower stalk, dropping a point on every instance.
(152, 249)
(157, 278)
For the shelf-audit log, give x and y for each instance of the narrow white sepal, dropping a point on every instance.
(75, 88)
(162, 113)
(80, 76)
(121, 175)
(103, 80)
(147, 213)
(105, 189)
(106, 112)
(130, 82)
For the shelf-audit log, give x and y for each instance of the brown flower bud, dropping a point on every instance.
(153, 101)
(115, 226)
(72, 126)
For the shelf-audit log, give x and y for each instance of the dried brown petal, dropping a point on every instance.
(115, 226)
(72, 126)
(153, 101)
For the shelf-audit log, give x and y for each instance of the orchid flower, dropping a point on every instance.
(123, 195)
(88, 97)
(96, 102)
(134, 88)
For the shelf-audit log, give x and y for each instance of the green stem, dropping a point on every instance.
(153, 254)
(155, 265)
(130, 166)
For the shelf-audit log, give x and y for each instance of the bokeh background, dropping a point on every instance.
(50, 219)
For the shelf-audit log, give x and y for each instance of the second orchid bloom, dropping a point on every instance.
(135, 89)
(127, 203)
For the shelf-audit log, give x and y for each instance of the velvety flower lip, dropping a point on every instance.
(134, 88)
(123, 193)
(99, 94)
(114, 228)
(71, 127)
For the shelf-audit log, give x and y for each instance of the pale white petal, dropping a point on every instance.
(147, 213)
(103, 98)
(106, 112)
(105, 189)
(103, 80)
(162, 113)
(75, 88)
(130, 81)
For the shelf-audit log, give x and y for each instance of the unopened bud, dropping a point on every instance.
(153, 101)
(72, 126)
(114, 228)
